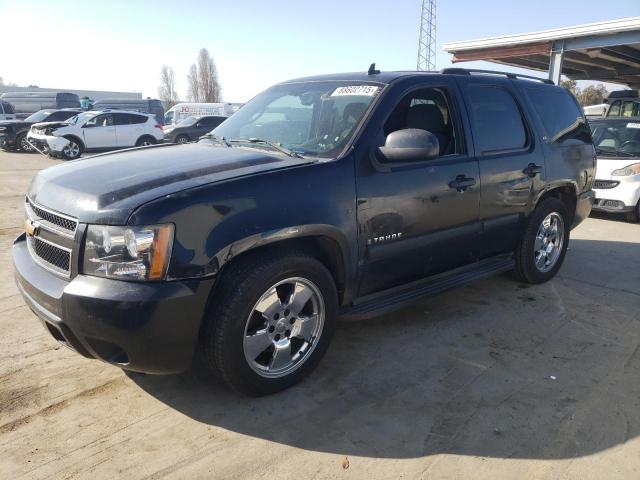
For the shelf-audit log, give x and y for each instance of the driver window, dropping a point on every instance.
(427, 109)
(100, 121)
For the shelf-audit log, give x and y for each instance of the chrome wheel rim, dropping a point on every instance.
(72, 150)
(146, 143)
(183, 140)
(284, 327)
(25, 145)
(549, 242)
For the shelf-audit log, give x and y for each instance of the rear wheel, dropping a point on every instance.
(72, 150)
(271, 322)
(544, 243)
(145, 141)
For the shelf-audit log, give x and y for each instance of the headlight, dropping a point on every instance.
(633, 169)
(128, 253)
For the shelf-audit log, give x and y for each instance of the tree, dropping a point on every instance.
(167, 88)
(203, 79)
(208, 77)
(194, 87)
(592, 95)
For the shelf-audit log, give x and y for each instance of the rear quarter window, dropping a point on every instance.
(559, 114)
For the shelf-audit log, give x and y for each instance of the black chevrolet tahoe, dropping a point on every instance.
(340, 195)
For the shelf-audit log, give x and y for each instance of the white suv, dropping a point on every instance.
(95, 130)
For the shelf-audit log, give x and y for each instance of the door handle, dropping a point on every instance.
(532, 170)
(462, 182)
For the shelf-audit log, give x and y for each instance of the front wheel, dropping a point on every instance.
(634, 215)
(23, 144)
(181, 139)
(542, 249)
(271, 322)
(72, 150)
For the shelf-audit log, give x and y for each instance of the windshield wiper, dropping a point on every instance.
(599, 151)
(218, 138)
(273, 145)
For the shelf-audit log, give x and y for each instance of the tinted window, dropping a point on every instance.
(121, 119)
(497, 122)
(8, 108)
(614, 111)
(559, 114)
(135, 119)
(211, 121)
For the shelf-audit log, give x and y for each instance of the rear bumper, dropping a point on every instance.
(146, 327)
(584, 204)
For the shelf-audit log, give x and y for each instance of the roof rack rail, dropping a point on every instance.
(469, 71)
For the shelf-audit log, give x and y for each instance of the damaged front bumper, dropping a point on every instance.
(48, 144)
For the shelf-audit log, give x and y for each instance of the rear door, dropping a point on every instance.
(129, 128)
(510, 159)
(99, 132)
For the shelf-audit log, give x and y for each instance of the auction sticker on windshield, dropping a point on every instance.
(364, 90)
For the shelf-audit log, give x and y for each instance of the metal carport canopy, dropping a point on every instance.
(605, 51)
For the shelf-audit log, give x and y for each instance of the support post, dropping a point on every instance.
(555, 62)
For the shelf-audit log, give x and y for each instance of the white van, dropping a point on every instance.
(181, 111)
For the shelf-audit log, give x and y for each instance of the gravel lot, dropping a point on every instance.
(494, 380)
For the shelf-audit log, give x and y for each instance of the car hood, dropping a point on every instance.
(606, 165)
(50, 124)
(106, 189)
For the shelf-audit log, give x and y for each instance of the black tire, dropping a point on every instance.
(70, 152)
(182, 139)
(146, 140)
(634, 215)
(526, 269)
(22, 145)
(232, 304)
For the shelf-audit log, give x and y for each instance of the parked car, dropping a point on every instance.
(191, 129)
(617, 185)
(27, 103)
(623, 103)
(151, 106)
(13, 135)
(181, 111)
(6, 111)
(95, 130)
(351, 194)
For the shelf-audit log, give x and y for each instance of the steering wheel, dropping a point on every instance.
(634, 143)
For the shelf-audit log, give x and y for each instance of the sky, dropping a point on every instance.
(120, 45)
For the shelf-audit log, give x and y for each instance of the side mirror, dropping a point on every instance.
(409, 145)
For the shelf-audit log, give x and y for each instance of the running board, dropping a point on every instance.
(394, 298)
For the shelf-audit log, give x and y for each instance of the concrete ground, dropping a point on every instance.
(494, 380)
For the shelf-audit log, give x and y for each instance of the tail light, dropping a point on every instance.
(158, 126)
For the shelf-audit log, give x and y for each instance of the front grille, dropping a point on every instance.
(53, 219)
(51, 242)
(602, 184)
(50, 256)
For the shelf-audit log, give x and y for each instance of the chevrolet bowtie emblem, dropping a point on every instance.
(30, 227)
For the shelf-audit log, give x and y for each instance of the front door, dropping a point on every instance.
(419, 218)
(99, 132)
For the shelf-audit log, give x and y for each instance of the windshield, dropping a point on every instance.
(187, 122)
(614, 137)
(38, 116)
(310, 118)
(81, 118)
